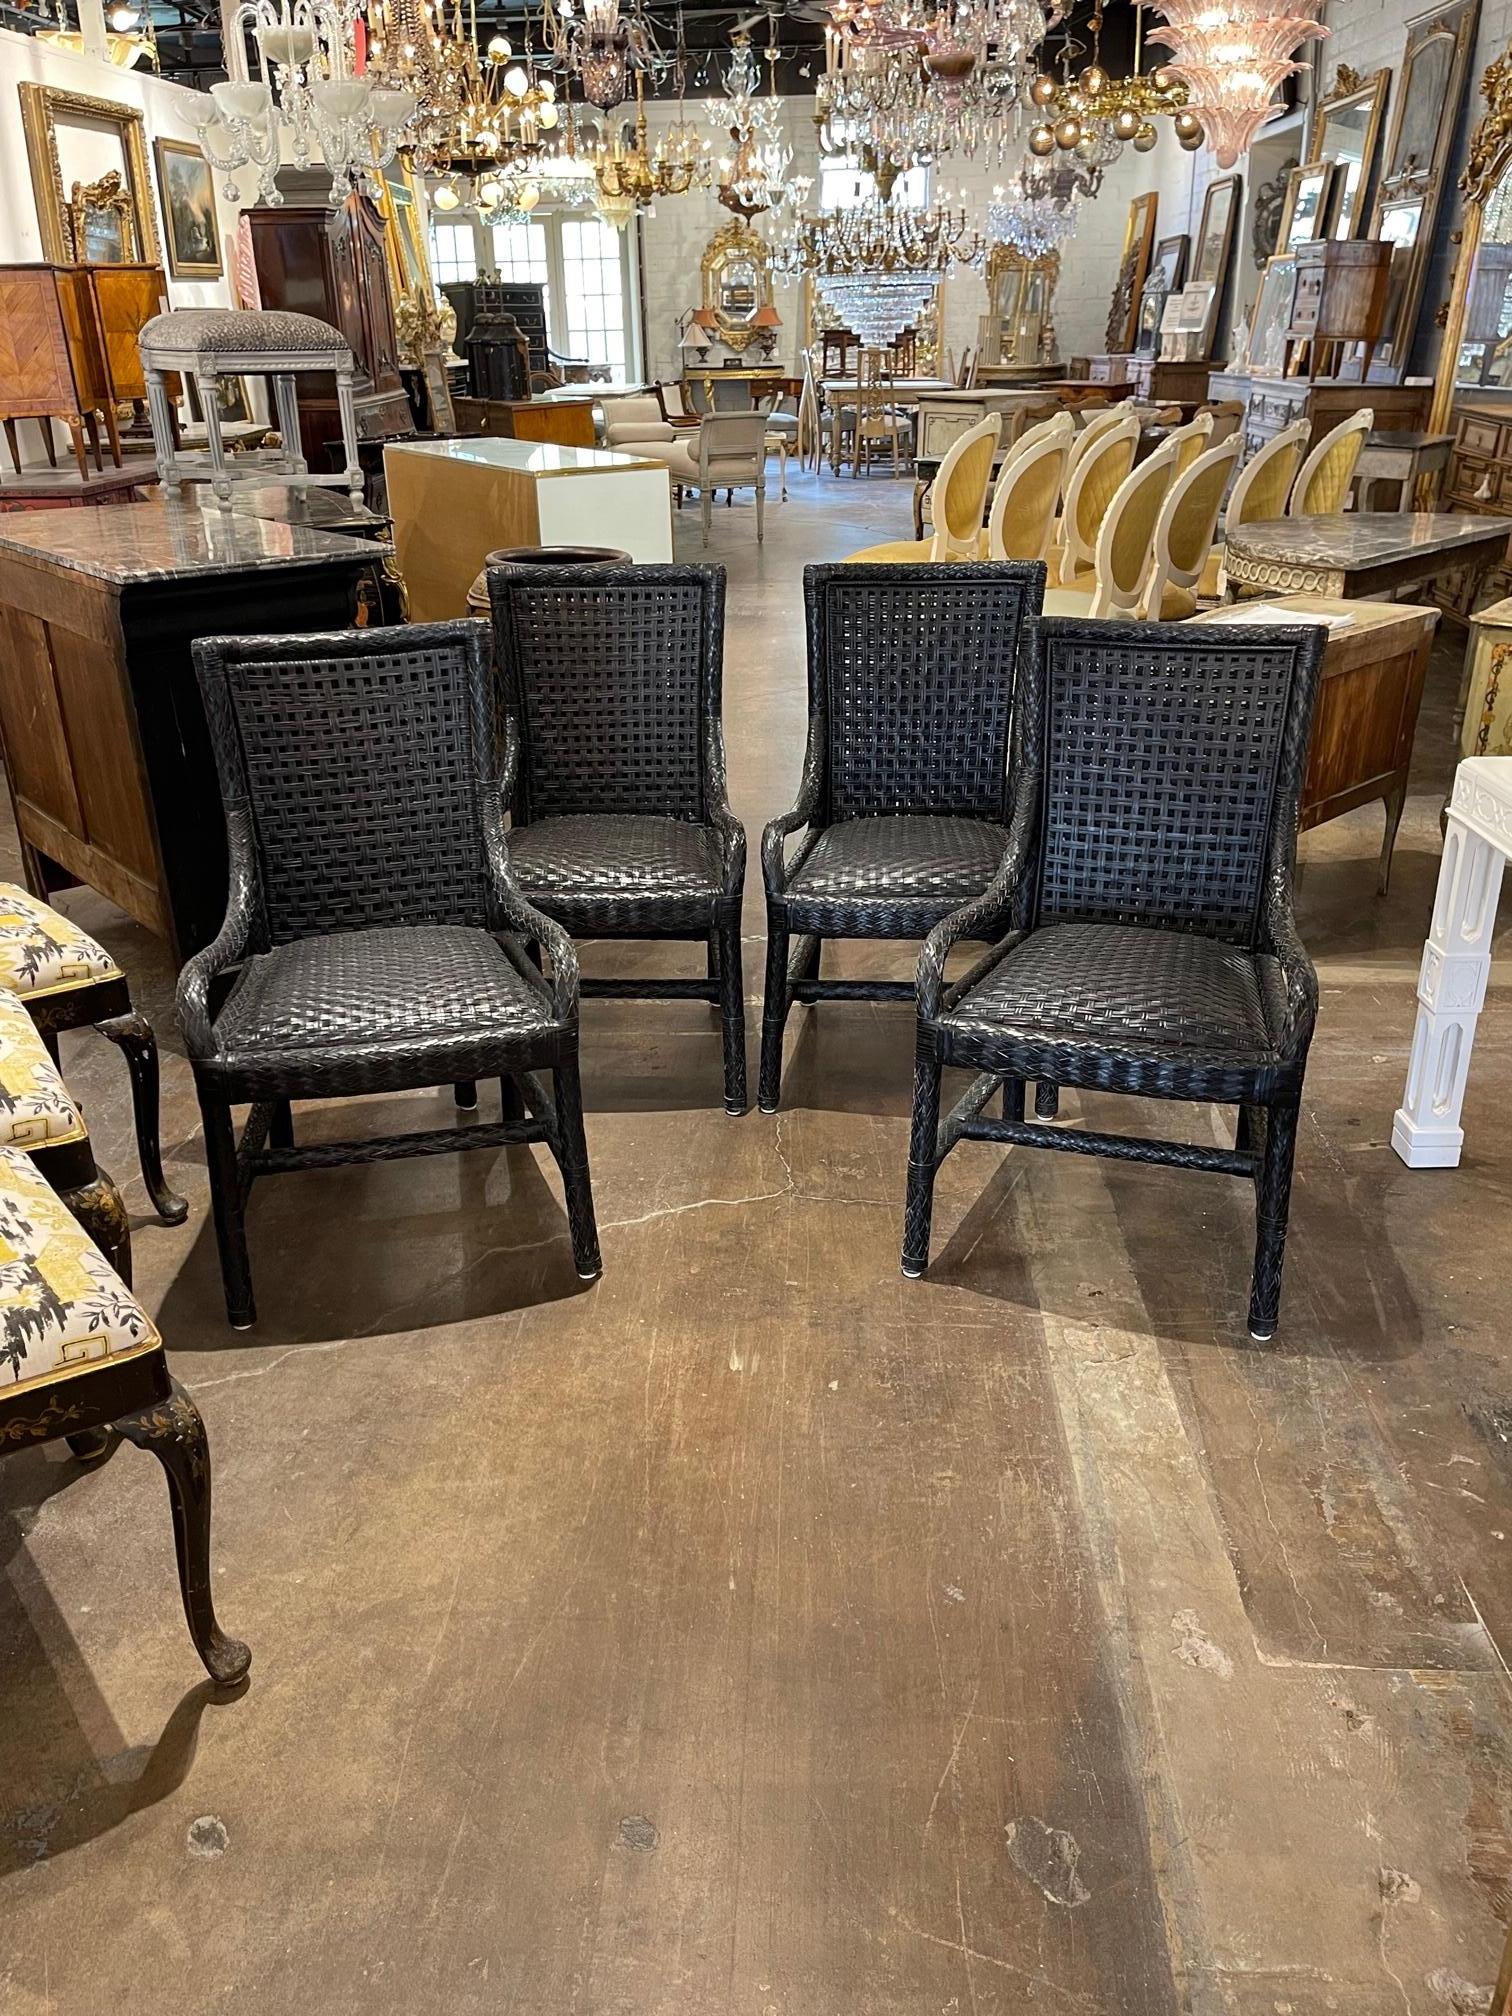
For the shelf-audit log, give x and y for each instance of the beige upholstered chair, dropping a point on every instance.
(635, 422)
(1260, 491)
(956, 503)
(1323, 481)
(727, 453)
(1028, 491)
(1092, 482)
(1125, 545)
(1184, 532)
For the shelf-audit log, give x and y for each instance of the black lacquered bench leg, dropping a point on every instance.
(133, 1036)
(173, 1431)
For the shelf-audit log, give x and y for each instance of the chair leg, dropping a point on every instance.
(281, 1125)
(173, 1431)
(511, 1104)
(1046, 1099)
(774, 1012)
(1394, 805)
(226, 1206)
(576, 1184)
(1272, 1204)
(705, 500)
(732, 1013)
(1013, 1098)
(760, 509)
(918, 1204)
(133, 1036)
(465, 1092)
(97, 1206)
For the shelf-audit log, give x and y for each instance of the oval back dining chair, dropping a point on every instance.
(1190, 440)
(1092, 482)
(1028, 491)
(1260, 491)
(957, 502)
(1125, 545)
(1184, 532)
(1323, 481)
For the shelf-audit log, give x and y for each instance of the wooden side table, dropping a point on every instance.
(1451, 992)
(1368, 701)
(1401, 458)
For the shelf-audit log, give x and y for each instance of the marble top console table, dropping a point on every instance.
(106, 752)
(1360, 554)
(1451, 992)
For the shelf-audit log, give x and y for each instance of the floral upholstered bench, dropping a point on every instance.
(80, 1357)
(39, 1117)
(68, 981)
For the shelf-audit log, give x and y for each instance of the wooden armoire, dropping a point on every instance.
(331, 264)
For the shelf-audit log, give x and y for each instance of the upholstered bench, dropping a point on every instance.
(69, 981)
(38, 1117)
(78, 1357)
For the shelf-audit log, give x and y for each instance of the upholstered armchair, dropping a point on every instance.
(637, 424)
(728, 453)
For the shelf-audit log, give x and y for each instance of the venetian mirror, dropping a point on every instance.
(1348, 133)
(737, 283)
(1477, 352)
(1017, 328)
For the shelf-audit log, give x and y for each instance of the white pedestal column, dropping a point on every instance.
(1426, 1131)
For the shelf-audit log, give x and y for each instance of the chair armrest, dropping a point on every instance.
(1280, 937)
(776, 831)
(229, 946)
(510, 910)
(1000, 898)
(718, 811)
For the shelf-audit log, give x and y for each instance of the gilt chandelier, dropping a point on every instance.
(1231, 57)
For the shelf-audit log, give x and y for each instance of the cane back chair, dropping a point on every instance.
(81, 1361)
(1151, 946)
(903, 799)
(621, 823)
(374, 931)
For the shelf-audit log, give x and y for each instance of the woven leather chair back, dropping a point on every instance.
(612, 678)
(1170, 762)
(911, 675)
(361, 760)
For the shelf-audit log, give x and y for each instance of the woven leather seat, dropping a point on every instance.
(1147, 883)
(915, 867)
(375, 940)
(902, 807)
(419, 991)
(620, 874)
(1079, 987)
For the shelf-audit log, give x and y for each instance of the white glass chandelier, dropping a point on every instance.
(1231, 55)
(310, 84)
(1036, 211)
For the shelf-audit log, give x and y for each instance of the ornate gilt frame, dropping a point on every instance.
(1133, 265)
(1005, 259)
(1350, 88)
(1490, 159)
(737, 237)
(108, 193)
(1328, 200)
(40, 106)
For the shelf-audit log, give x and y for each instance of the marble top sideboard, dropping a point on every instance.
(163, 539)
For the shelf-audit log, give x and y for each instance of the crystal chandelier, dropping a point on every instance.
(311, 83)
(877, 264)
(917, 83)
(753, 175)
(1095, 115)
(1036, 212)
(1231, 57)
(599, 46)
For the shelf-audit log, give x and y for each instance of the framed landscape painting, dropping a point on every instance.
(188, 194)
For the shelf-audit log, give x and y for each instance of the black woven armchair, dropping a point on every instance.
(377, 941)
(1148, 889)
(621, 825)
(904, 790)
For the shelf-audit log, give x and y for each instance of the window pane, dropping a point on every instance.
(593, 255)
(520, 254)
(453, 254)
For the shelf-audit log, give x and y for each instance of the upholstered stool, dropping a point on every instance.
(79, 1357)
(210, 344)
(69, 981)
(39, 1117)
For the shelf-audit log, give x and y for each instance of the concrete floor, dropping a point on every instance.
(756, 1631)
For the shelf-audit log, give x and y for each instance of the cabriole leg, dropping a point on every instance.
(133, 1036)
(173, 1431)
(97, 1206)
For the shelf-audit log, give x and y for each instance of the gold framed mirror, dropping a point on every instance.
(74, 146)
(1349, 133)
(737, 283)
(1018, 327)
(1477, 349)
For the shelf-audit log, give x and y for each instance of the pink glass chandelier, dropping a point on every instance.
(1231, 55)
